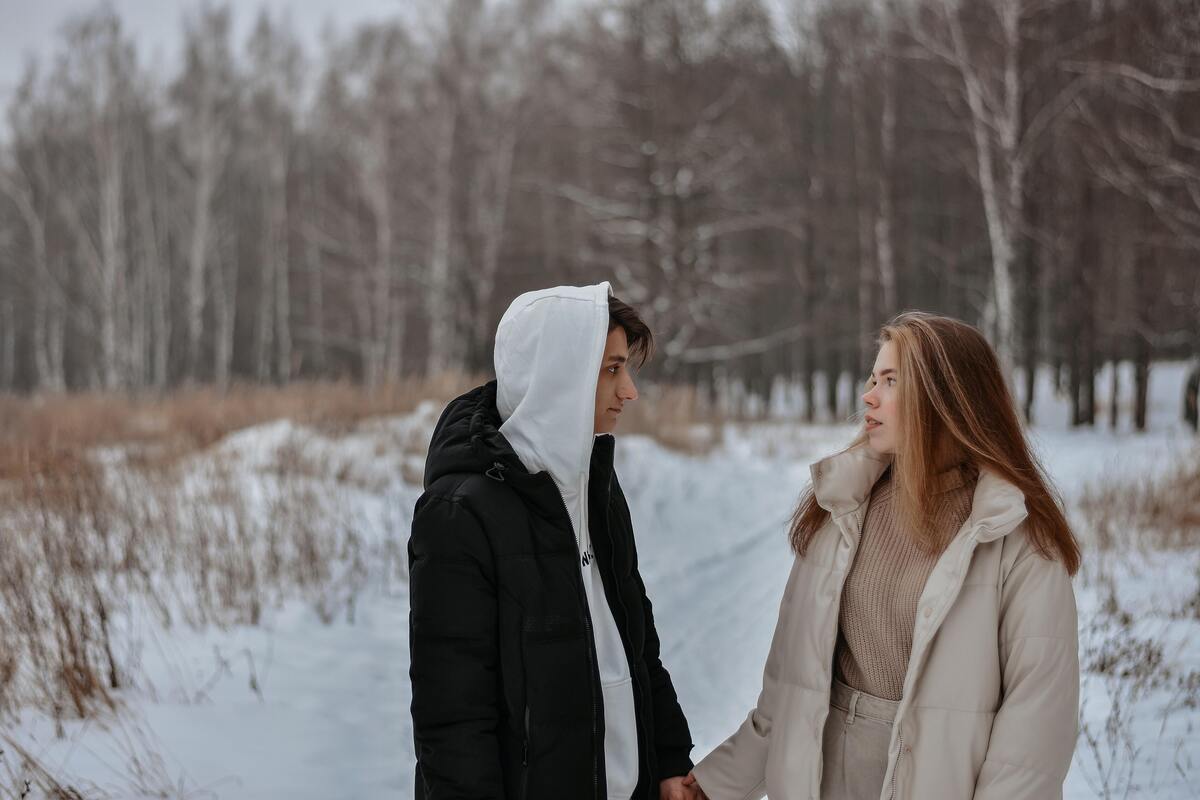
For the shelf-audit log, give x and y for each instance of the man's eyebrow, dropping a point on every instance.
(618, 359)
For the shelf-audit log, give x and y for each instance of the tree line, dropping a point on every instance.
(767, 180)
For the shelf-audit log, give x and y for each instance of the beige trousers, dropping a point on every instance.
(854, 747)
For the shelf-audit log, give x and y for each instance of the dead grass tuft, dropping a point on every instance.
(1148, 513)
(100, 513)
(677, 417)
(50, 433)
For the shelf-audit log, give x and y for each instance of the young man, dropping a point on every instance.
(534, 658)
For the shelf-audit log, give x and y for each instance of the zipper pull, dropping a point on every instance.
(498, 469)
(525, 742)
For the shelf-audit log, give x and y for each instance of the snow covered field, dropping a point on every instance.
(313, 702)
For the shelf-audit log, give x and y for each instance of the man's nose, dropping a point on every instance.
(628, 390)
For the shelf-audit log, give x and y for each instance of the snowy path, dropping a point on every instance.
(305, 710)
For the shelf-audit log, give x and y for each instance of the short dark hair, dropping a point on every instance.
(641, 340)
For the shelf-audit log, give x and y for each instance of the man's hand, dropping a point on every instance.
(678, 789)
(689, 783)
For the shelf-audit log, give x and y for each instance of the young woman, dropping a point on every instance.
(926, 647)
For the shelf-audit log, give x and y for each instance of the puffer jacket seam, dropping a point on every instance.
(950, 710)
(462, 502)
(454, 493)
(1026, 768)
(754, 792)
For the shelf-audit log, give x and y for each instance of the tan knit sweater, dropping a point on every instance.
(879, 600)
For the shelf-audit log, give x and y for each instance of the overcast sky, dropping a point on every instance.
(31, 27)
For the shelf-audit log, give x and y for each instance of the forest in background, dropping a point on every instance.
(766, 180)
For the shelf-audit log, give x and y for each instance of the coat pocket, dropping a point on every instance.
(557, 673)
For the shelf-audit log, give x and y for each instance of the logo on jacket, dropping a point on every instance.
(587, 558)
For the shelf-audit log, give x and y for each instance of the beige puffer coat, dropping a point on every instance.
(991, 696)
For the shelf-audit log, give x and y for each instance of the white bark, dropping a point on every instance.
(375, 165)
(865, 218)
(225, 279)
(441, 308)
(885, 249)
(493, 212)
(8, 343)
(199, 242)
(999, 166)
(49, 317)
(205, 93)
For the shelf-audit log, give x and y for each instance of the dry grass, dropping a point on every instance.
(101, 514)
(1131, 667)
(48, 434)
(678, 417)
(1129, 651)
(216, 550)
(1159, 513)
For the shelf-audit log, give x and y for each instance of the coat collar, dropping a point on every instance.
(843, 482)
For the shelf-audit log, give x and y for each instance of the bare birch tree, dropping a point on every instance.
(205, 99)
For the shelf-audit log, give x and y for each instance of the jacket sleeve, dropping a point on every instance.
(453, 653)
(736, 769)
(672, 739)
(1035, 728)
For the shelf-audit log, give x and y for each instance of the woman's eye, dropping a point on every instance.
(891, 381)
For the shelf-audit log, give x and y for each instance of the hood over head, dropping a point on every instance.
(549, 345)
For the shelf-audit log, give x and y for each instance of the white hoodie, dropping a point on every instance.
(549, 346)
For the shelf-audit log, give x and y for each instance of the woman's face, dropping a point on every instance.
(882, 400)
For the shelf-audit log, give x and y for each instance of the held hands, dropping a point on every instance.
(681, 789)
(690, 783)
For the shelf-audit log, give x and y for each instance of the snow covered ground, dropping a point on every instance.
(305, 707)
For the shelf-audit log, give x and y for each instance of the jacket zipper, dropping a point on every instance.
(642, 730)
(860, 519)
(496, 473)
(525, 758)
(959, 569)
(896, 768)
(591, 645)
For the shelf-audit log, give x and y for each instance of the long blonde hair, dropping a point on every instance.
(954, 406)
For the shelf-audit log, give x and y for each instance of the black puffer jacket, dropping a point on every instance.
(506, 693)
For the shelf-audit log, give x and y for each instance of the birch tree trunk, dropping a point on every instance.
(441, 311)
(999, 204)
(225, 294)
(885, 213)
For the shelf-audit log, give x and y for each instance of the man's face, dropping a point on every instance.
(615, 386)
